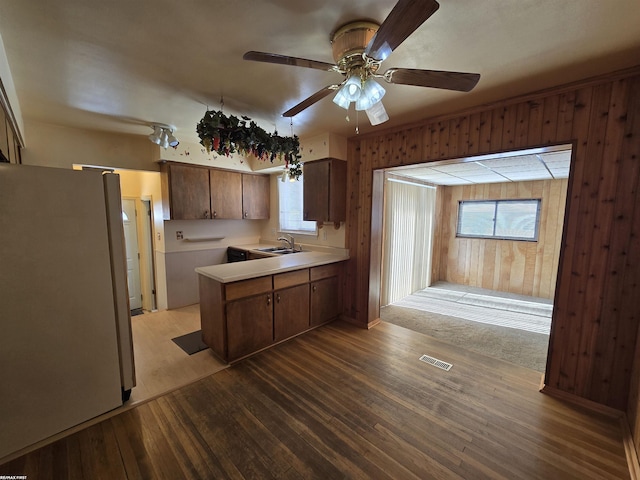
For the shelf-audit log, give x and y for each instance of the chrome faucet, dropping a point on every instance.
(290, 241)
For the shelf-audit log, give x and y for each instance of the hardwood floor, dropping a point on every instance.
(343, 402)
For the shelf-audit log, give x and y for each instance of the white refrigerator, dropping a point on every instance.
(66, 352)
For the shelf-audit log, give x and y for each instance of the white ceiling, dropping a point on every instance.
(543, 165)
(118, 65)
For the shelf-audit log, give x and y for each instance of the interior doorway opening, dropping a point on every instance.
(138, 232)
(526, 270)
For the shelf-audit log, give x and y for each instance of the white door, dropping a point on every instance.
(133, 255)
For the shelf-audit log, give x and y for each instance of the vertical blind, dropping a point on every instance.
(407, 239)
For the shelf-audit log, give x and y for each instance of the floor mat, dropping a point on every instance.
(191, 342)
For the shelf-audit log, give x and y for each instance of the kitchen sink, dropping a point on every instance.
(277, 250)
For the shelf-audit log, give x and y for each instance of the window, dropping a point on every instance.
(290, 210)
(501, 219)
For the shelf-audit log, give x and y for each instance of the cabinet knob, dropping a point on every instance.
(206, 214)
(278, 298)
(246, 214)
(268, 299)
(314, 288)
(215, 214)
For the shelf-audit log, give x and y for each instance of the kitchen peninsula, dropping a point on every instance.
(248, 306)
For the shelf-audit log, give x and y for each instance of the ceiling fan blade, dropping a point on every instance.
(316, 97)
(284, 60)
(405, 17)
(462, 82)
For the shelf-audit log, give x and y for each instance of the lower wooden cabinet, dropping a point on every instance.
(243, 317)
(326, 294)
(291, 312)
(325, 300)
(249, 325)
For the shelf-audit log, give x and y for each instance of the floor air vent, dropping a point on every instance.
(436, 363)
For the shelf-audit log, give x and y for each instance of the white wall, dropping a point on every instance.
(204, 243)
(58, 146)
(196, 154)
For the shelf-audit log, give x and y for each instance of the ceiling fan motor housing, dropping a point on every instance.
(349, 41)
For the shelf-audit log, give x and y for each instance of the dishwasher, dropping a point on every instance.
(236, 255)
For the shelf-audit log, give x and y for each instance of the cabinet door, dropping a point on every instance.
(326, 301)
(249, 325)
(291, 311)
(189, 192)
(315, 191)
(255, 196)
(226, 194)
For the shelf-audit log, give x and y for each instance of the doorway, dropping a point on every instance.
(521, 268)
(138, 232)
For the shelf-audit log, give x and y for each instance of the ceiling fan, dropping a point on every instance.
(359, 48)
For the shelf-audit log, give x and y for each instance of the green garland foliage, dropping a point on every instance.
(226, 135)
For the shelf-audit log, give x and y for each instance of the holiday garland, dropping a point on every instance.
(226, 135)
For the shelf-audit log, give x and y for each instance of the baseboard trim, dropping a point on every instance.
(582, 402)
(630, 448)
(373, 323)
(627, 439)
(355, 322)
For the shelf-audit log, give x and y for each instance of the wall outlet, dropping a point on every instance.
(179, 236)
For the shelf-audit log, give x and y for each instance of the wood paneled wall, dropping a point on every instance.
(595, 320)
(525, 268)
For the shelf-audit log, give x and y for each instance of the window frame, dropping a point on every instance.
(309, 232)
(497, 203)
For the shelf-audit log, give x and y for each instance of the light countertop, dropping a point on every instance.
(233, 272)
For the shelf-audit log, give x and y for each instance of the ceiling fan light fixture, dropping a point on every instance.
(377, 114)
(341, 100)
(372, 93)
(352, 88)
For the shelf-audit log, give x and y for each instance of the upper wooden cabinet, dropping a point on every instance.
(255, 196)
(194, 192)
(186, 188)
(325, 190)
(226, 194)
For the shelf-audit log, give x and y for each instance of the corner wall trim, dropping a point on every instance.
(630, 449)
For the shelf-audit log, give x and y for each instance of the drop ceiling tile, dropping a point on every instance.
(459, 168)
(494, 170)
(525, 176)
